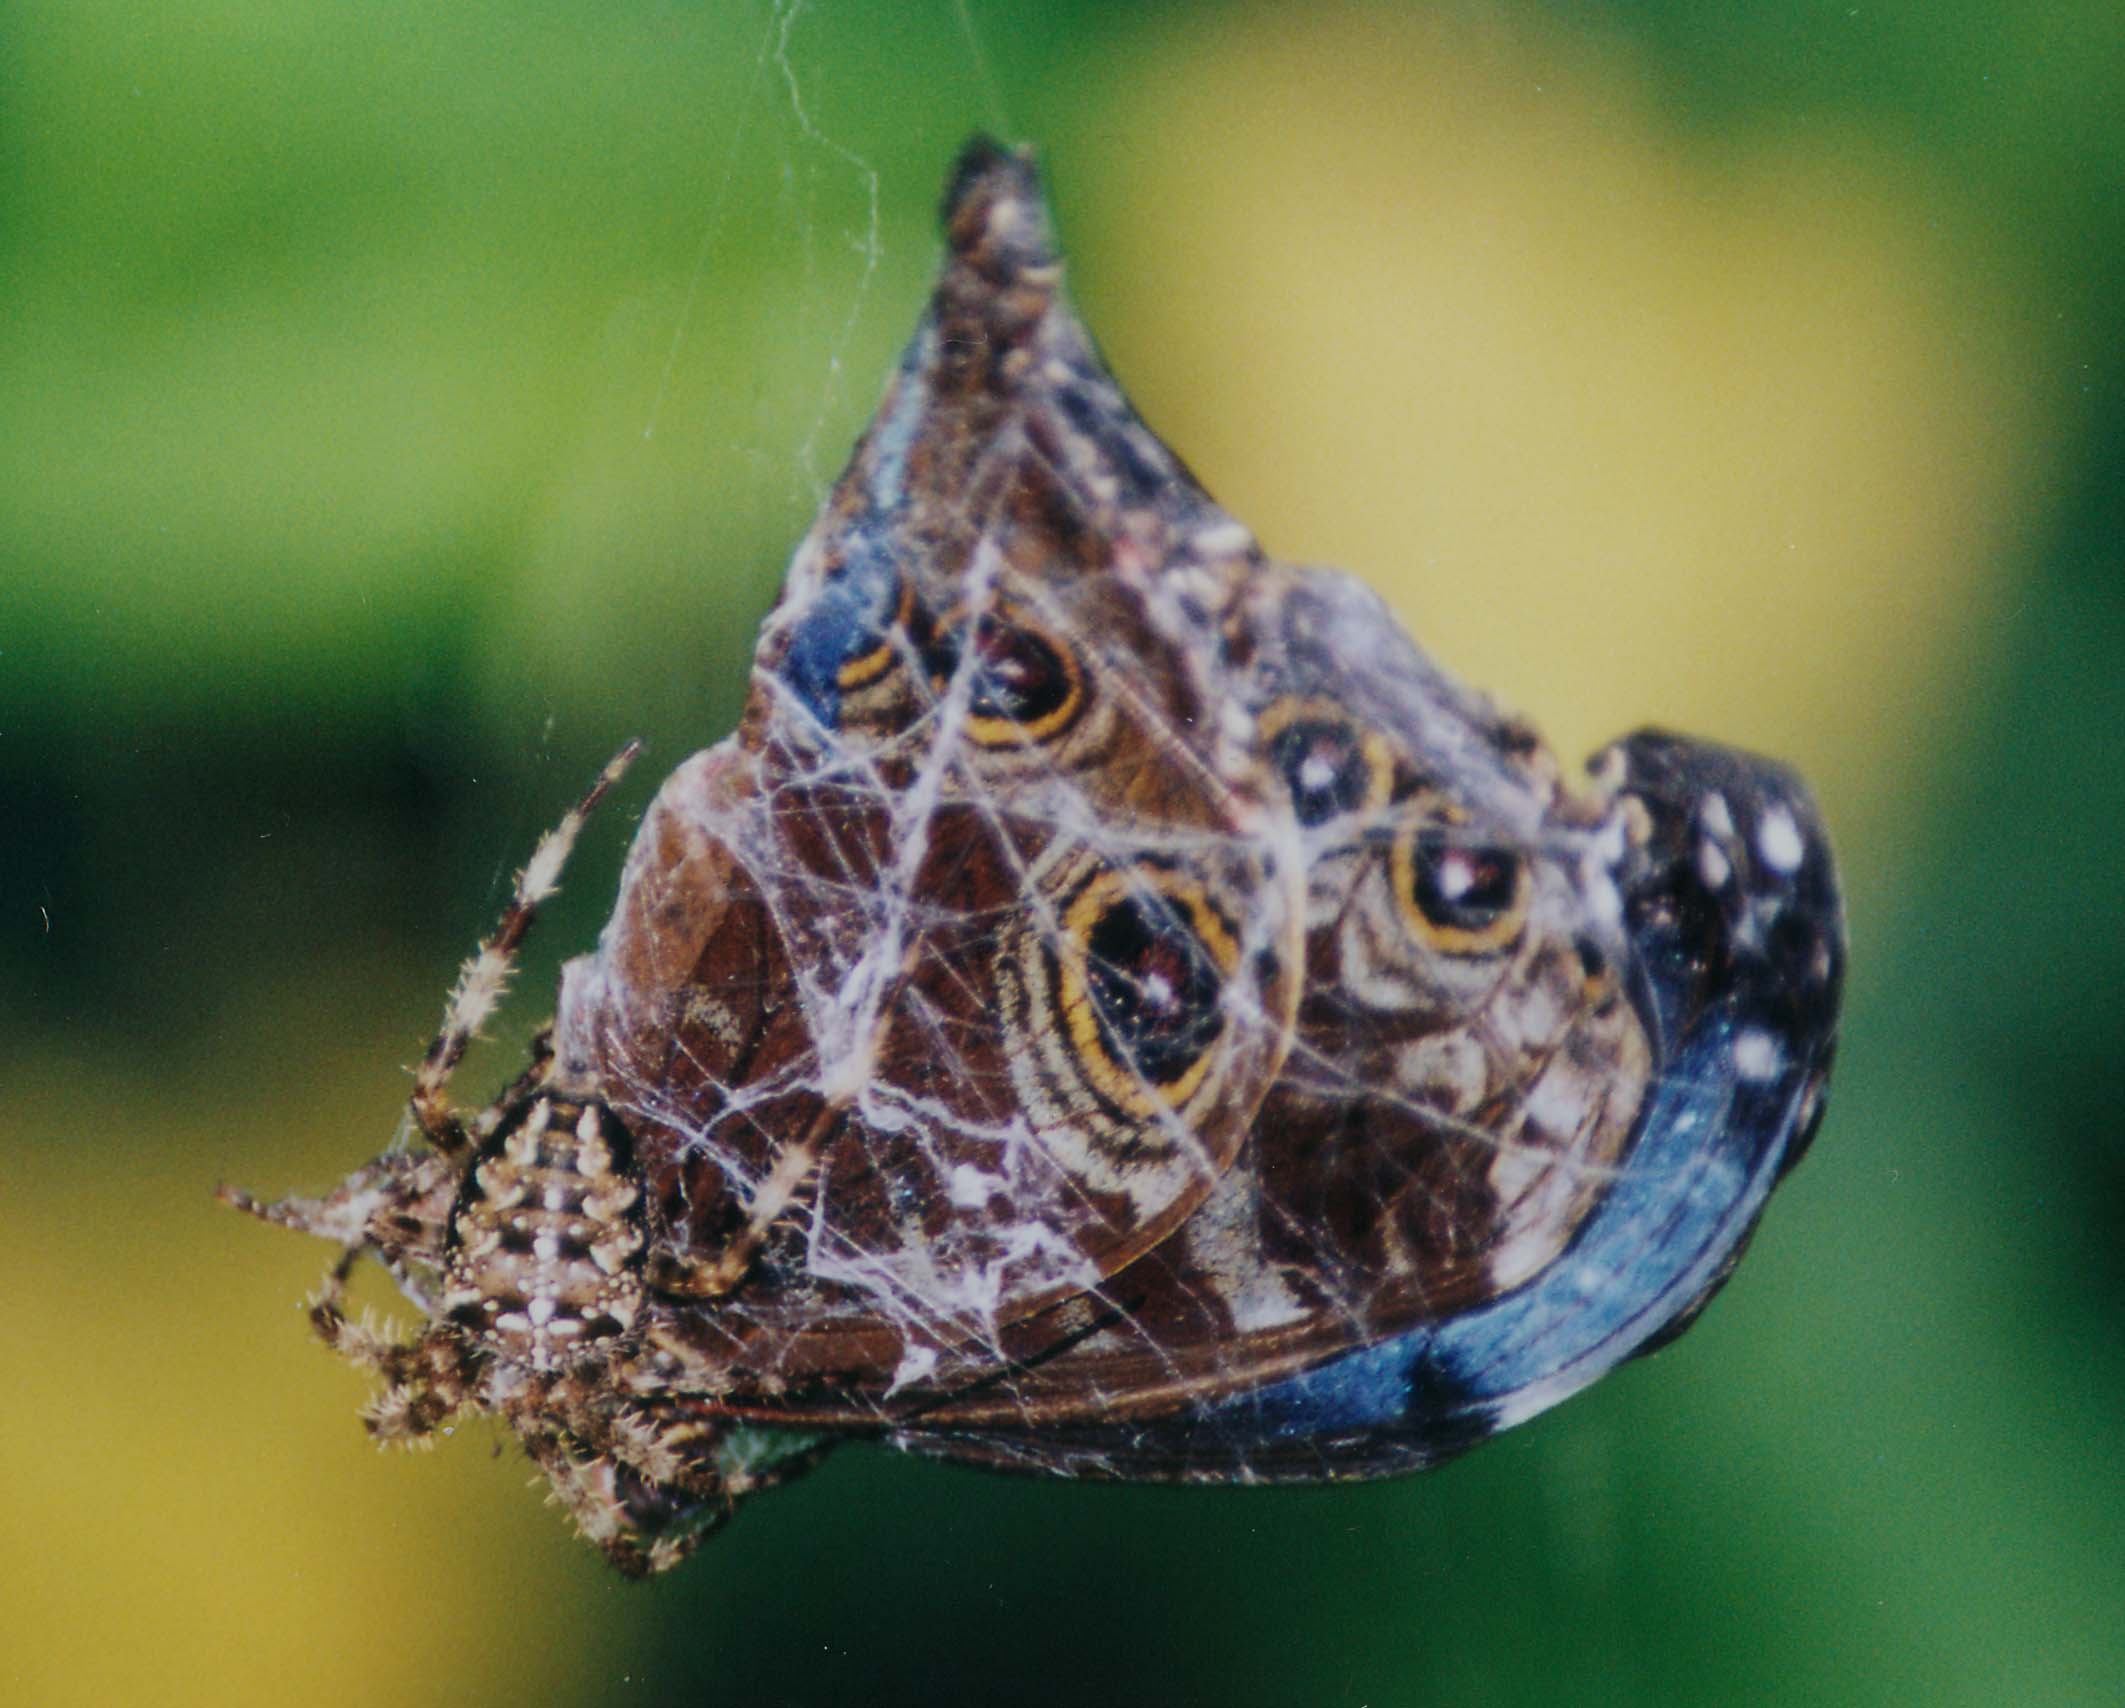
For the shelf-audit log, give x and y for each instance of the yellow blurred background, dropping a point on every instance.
(403, 407)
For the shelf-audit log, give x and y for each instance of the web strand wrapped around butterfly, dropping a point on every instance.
(1114, 1007)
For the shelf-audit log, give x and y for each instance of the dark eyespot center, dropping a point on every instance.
(1460, 887)
(1324, 767)
(1016, 675)
(1155, 988)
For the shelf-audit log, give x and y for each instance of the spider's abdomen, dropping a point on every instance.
(544, 1256)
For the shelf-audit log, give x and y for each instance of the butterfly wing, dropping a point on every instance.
(1735, 940)
(978, 942)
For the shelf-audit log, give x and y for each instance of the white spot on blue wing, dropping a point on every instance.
(1713, 866)
(1716, 816)
(1778, 840)
(1757, 1056)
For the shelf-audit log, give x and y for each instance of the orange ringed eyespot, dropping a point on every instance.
(1143, 962)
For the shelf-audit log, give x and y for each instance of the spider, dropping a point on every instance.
(521, 1231)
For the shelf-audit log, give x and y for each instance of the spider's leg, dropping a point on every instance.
(483, 1124)
(484, 978)
(781, 1192)
(389, 1206)
(358, 1343)
(426, 1380)
(642, 1525)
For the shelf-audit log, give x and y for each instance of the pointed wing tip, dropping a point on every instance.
(994, 215)
(986, 171)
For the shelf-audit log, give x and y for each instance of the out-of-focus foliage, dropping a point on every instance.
(401, 405)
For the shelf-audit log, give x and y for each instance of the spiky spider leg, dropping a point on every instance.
(784, 1191)
(394, 1208)
(485, 977)
(426, 1380)
(642, 1525)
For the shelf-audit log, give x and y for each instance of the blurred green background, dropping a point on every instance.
(402, 405)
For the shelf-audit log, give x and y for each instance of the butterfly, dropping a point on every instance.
(1114, 1007)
